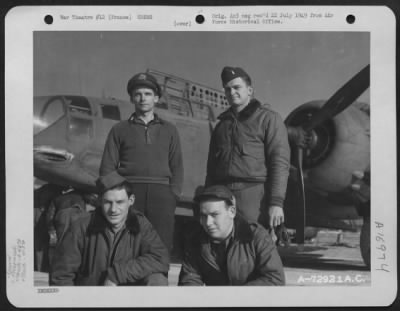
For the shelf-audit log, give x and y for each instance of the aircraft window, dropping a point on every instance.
(79, 104)
(80, 128)
(111, 112)
(46, 112)
(207, 92)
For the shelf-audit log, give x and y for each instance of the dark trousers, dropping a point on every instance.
(157, 203)
(250, 202)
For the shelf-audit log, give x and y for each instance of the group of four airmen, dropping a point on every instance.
(127, 240)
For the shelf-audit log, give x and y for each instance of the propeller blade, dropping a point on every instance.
(343, 98)
(301, 223)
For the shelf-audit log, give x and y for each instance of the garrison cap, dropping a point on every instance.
(109, 181)
(215, 192)
(143, 79)
(230, 73)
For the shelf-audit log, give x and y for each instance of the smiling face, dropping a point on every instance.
(115, 206)
(238, 93)
(216, 218)
(144, 99)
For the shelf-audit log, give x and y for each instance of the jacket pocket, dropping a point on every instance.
(252, 160)
(253, 150)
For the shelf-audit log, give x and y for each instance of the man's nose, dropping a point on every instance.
(209, 220)
(113, 207)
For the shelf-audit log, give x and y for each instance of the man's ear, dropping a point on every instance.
(251, 90)
(232, 211)
(156, 98)
(131, 199)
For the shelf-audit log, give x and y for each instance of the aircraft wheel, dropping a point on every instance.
(365, 241)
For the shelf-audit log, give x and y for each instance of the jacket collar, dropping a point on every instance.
(242, 230)
(99, 224)
(247, 111)
(135, 119)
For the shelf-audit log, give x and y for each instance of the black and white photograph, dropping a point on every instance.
(206, 158)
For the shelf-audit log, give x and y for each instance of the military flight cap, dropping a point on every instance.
(143, 79)
(215, 192)
(230, 73)
(109, 181)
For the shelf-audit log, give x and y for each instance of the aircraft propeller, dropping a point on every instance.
(304, 136)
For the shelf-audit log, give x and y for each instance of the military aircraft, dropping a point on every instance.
(70, 133)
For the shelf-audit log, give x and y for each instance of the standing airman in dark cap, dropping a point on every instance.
(249, 152)
(146, 150)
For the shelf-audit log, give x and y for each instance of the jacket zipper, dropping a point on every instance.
(108, 240)
(232, 145)
(113, 247)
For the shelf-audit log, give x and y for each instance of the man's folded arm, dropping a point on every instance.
(67, 259)
(190, 272)
(269, 268)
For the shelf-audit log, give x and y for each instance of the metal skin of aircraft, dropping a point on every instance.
(70, 133)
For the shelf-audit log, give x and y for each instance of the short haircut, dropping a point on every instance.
(125, 185)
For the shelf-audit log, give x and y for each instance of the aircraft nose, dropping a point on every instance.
(46, 111)
(49, 128)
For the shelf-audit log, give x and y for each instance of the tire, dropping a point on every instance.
(365, 241)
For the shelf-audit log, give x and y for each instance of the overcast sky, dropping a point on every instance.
(288, 68)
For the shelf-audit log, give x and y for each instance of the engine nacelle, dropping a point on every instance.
(341, 146)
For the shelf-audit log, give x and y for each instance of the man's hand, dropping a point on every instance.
(276, 216)
(299, 136)
(108, 282)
